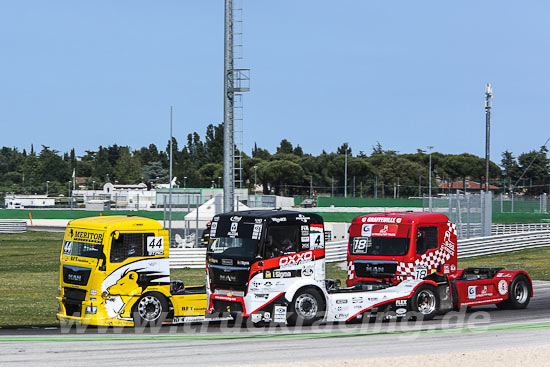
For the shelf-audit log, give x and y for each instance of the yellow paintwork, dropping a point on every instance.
(99, 230)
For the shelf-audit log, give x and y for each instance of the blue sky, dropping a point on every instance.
(405, 73)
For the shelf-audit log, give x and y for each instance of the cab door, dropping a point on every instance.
(426, 246)
(137, 262)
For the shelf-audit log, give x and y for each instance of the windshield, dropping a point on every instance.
(379, 246)
(234, 247)
(83, 249)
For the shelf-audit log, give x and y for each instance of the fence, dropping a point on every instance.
(520, 204)
(13, 226)
(466, 210)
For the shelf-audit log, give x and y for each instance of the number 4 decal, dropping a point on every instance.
(155, 245)
(316, 236)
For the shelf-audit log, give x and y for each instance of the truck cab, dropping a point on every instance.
(114, 271)
(397, 246)
(258, 261)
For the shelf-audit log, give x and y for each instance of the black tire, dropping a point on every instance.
(307, 307)
(519, 293)
(425, 302)
(151, 309)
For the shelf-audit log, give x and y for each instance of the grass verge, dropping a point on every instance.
(29, 277)
(536, 262)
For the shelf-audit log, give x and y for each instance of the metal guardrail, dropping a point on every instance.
(502, 243)
(195, 258)
(498, 229)
(13, 226)
(337, 251)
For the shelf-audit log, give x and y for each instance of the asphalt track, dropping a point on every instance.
(480, 329)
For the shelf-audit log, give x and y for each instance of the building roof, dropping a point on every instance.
(470, 185)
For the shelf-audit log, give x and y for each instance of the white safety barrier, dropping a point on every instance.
(502, 243)
(509, 228)
(13, 226)
(337, 251)
(194, 258)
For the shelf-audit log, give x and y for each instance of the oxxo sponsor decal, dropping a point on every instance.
(296, 259)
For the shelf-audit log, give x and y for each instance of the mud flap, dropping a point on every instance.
(445, 300)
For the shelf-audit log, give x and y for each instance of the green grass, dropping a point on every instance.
(520, 217)
(335, 271)
(536, 262)
(29, 277)
(188, 276)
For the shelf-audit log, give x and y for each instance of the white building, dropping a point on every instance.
(28, 201)
(124, 196)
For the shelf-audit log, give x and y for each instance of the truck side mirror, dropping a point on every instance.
(102, 260)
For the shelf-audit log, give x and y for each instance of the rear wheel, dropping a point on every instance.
(307, 307)
(150, 309)
(519, 294)
(425, 302)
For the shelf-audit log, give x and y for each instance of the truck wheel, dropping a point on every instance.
(150, 309)
(519, 293)
(306, 307)
(425, 301)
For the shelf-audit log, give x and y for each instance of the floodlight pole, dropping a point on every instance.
(488, 97)
(170, 186)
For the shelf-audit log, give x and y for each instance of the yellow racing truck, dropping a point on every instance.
(115, 271)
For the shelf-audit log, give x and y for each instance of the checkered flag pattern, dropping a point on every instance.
(351, 270)
(430, 260)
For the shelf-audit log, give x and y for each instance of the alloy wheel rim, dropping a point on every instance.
(426, 302)
(306, 306)
(149, 308)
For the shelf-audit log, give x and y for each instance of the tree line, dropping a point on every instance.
(198, 162)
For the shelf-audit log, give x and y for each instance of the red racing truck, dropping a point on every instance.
(269, 266)
(386, 249)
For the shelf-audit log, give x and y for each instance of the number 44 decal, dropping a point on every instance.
(155, 245)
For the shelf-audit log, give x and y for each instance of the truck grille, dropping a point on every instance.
(72, 301)
(230, 278)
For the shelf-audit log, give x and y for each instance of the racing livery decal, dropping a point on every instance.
(132, 280)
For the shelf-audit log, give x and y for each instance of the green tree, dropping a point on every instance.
(128, 168)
